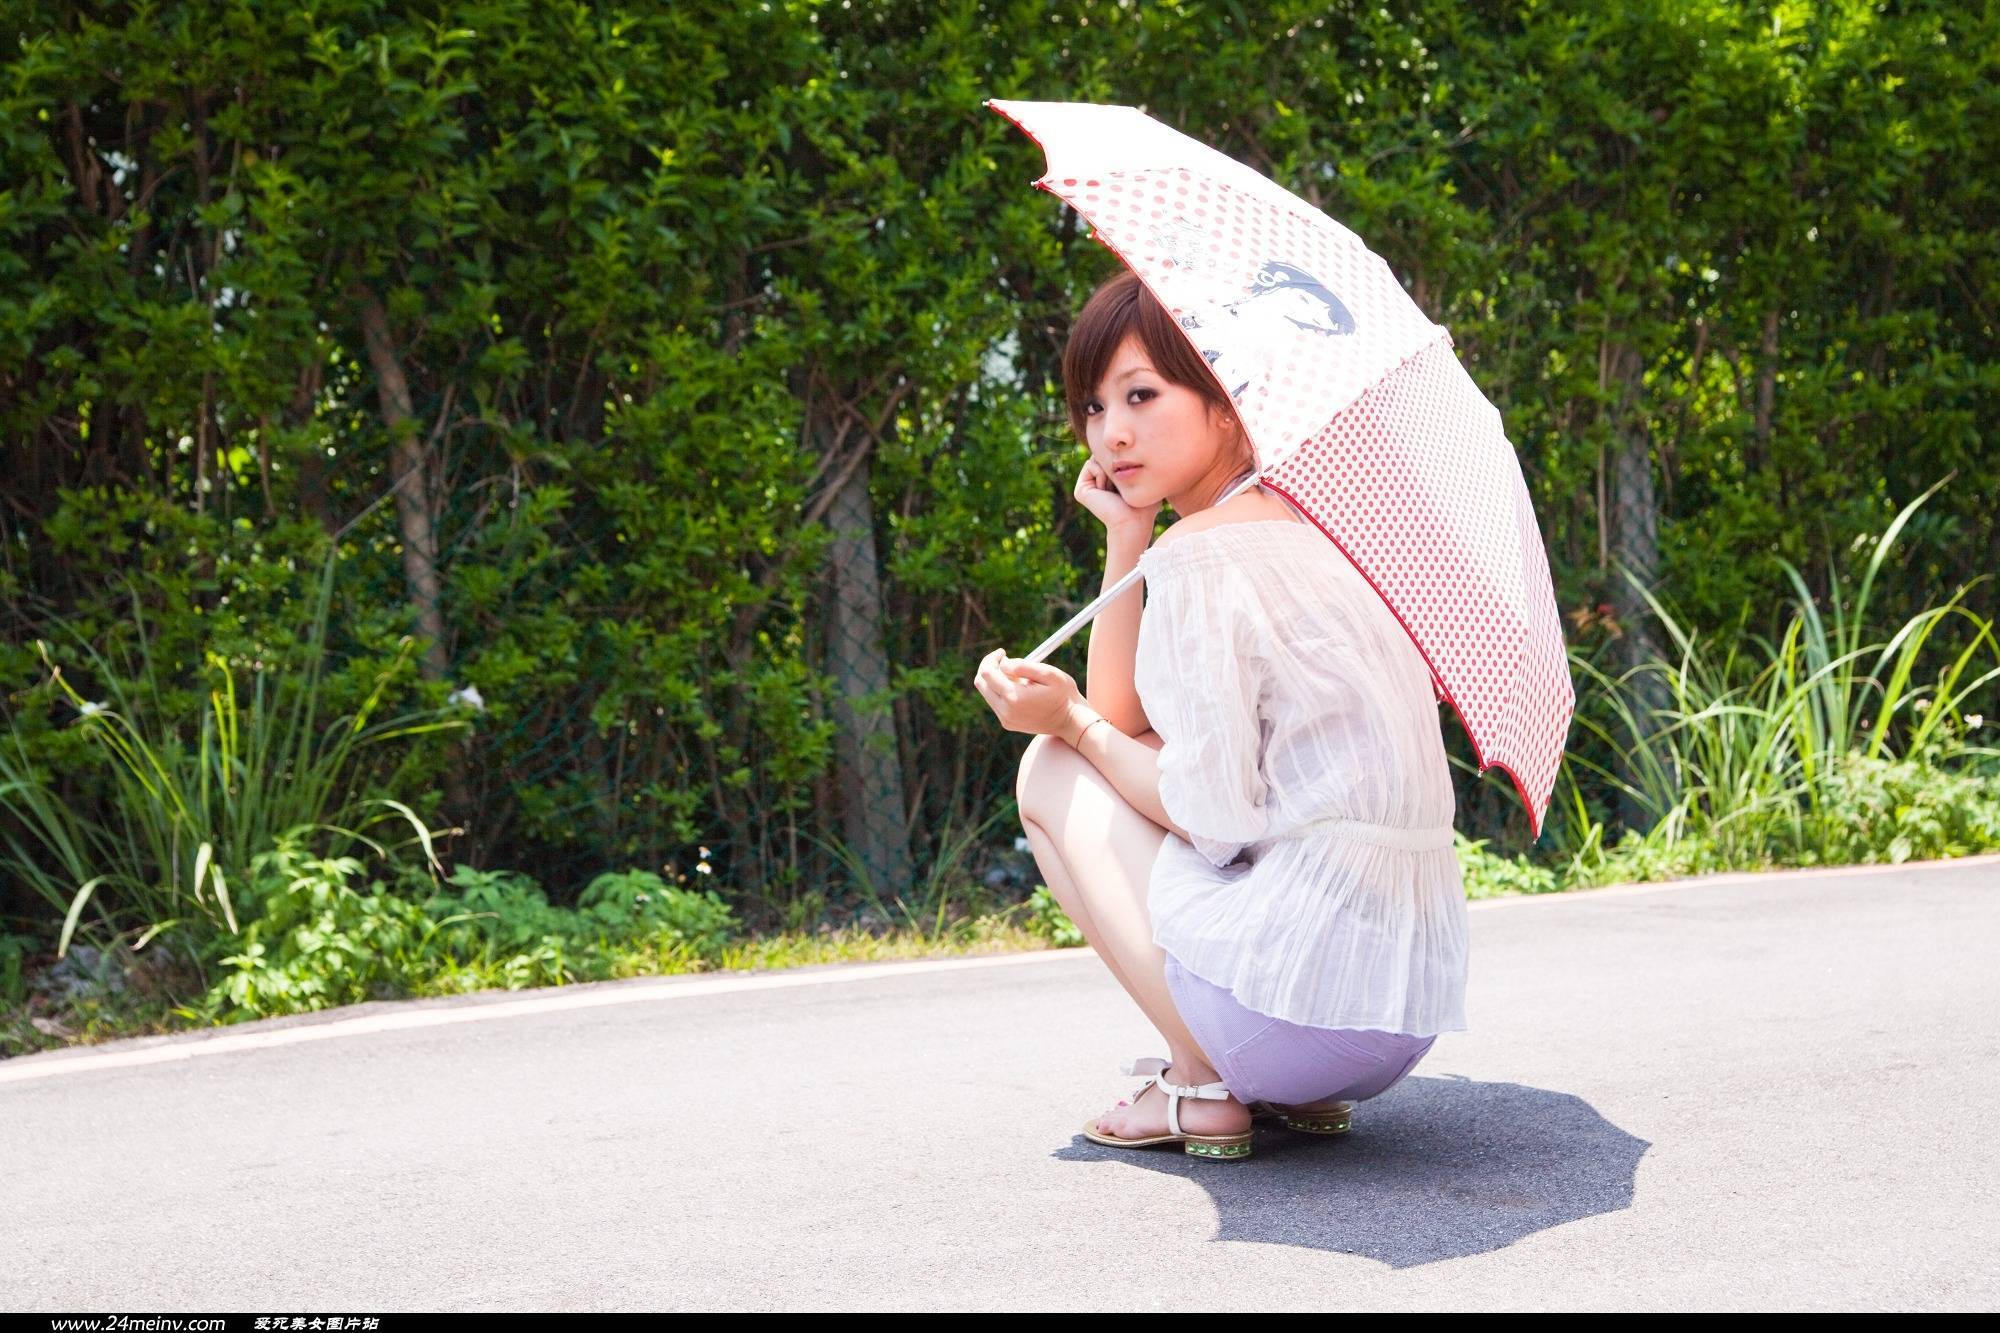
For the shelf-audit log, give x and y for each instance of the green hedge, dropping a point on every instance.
(633, 283)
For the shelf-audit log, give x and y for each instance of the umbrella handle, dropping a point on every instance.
(1111, 594)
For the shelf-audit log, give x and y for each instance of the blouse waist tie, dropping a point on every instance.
(1388, 835)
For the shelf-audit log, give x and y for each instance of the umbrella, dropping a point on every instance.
(1359, 412)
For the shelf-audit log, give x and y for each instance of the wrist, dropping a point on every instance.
(1126, 535)
(1081, 718)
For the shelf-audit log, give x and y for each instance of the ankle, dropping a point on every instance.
(1191, 1073)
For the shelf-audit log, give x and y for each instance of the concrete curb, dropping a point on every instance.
(486, 1006)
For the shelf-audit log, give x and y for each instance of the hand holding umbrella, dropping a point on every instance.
(1033, 698)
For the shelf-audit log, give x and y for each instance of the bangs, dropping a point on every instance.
(1121, 307)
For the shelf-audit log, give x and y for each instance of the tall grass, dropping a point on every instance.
(185, 819)
(929, 917)
(1759, 770)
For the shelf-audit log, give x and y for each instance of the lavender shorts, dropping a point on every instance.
(1261, 1058)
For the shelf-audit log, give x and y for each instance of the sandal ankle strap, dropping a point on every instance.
(1214, 1092)
(1154, 1069)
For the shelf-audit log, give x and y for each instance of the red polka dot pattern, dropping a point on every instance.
(1360, 412)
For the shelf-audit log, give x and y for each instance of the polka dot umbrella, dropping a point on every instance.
(1360, 413)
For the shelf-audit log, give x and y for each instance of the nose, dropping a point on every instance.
(1116, 431)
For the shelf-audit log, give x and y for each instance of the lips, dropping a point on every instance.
(1126, 469)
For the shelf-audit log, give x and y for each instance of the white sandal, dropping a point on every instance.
(1227, 1147)
(1335, 1117)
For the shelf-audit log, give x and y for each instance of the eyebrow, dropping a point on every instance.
(1136, 370)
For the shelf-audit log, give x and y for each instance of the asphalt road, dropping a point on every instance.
(1746, 1092)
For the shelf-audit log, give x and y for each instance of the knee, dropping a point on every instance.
(1044, 755)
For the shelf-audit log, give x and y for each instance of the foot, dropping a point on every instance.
(1147, 1117)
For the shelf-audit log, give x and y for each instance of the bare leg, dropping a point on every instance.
(1096, 854)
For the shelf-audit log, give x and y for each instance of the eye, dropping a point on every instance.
(1093, 402)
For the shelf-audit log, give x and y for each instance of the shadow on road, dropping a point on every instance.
(1436, 1168)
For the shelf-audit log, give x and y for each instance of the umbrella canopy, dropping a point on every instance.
(1358, 410)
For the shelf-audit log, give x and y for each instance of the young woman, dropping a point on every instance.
(1249, 816)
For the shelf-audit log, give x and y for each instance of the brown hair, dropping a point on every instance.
(1122, 306)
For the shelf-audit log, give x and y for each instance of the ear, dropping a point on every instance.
(1227, 420)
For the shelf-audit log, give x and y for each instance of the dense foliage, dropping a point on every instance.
(560, 329)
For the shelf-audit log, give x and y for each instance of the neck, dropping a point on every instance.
(1208, 492)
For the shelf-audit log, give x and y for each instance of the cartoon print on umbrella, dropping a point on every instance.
(1285, 301)
(1184, 246)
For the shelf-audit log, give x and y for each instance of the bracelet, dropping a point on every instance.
(1086, 729)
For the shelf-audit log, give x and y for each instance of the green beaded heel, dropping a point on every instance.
(1210, 1147)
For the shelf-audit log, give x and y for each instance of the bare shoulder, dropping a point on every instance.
(1254, 505)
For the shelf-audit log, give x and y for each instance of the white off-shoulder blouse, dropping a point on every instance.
(1301, 731)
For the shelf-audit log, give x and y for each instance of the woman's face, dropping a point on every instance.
(1159, 441)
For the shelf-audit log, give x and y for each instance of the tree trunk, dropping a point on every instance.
(411, 478)
(1767, 391)
(1635, 547)
(411, 481)
(871, 770)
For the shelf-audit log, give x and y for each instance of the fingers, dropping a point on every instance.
(991, 679)
(999, 673)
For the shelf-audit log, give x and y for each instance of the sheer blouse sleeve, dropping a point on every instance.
(1212, 781)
